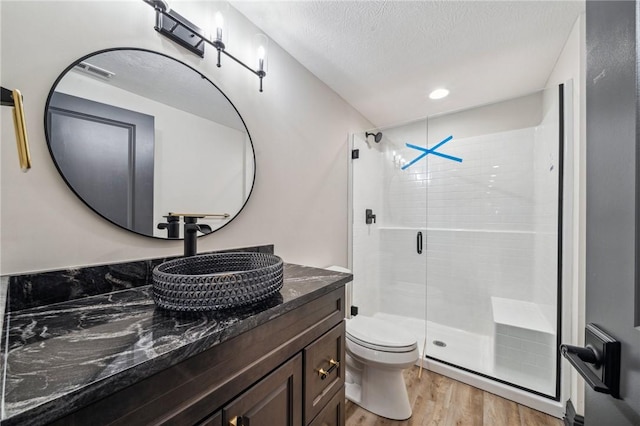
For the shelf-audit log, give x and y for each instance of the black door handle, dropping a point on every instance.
(599, 362)
(579, 358)
(419, 243)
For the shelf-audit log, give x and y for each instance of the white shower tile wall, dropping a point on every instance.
(525, 356)
(490, 190)
(403, 272)
(477, 217)
(491, 230)
(546, 185)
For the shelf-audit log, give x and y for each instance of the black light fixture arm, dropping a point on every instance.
(261, 74)
(179, 29)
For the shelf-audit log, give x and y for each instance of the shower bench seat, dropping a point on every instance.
(524, 338)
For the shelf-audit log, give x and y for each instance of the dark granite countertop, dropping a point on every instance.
(61, 357)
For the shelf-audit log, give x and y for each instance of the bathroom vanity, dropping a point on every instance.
(115, 358)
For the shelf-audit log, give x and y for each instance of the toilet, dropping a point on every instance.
(377, 352)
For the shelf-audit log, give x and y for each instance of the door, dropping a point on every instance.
(613, 212)
(105, 154)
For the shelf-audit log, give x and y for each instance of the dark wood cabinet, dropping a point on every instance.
(286, 371)
(324, 371)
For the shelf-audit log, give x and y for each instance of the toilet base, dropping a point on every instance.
(382, 392)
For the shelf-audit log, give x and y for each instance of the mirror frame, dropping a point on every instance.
(48, 138)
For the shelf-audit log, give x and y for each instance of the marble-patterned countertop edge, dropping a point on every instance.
(59, 405)
(4, 289)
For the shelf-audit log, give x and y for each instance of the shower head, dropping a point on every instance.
(376, 136)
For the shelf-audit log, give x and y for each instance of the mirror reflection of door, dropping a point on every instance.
(106, 153)
(203, 159)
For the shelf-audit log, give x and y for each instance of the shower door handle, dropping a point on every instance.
(419, 243)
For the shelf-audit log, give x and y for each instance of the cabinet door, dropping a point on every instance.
(275, 400)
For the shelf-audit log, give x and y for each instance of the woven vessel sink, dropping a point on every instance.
(216, 281)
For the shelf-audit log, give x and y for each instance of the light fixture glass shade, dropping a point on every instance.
(218, 26)
(261, 50)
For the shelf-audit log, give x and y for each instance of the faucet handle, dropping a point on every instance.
(172, 226)
(205, 229)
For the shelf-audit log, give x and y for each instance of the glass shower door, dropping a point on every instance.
(492, 241)
(389, 218)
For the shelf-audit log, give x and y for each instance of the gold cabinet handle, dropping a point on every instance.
(236, 421)
(333, 364)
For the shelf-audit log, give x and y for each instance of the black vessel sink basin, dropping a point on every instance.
(216, 281)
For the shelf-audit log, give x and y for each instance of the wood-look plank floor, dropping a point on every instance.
(440, 401)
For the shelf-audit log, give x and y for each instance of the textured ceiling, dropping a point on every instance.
(385, 57)
(169, 82)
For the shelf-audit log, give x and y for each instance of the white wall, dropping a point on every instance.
(571, 66)
(298, 125)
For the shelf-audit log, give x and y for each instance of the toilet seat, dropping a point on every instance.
(389, 349)
(378, 335)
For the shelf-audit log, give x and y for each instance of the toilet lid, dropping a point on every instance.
(382, 334)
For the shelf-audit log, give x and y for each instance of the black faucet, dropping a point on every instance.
(191, 229)
(172, 225)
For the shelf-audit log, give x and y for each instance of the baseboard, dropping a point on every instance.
(571, 418)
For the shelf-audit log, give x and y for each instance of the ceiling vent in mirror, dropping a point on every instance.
(94, 71)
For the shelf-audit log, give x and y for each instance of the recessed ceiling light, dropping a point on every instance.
(438, 94)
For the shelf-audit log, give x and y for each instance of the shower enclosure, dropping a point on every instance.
(466, 247)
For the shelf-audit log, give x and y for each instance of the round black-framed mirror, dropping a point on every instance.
(137, 135)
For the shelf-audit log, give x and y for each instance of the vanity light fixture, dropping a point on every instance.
(188, 35)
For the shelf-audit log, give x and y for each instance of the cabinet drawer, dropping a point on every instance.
(324, 367)
(333, 414)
